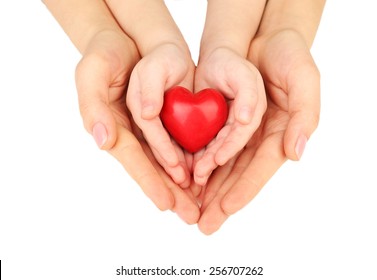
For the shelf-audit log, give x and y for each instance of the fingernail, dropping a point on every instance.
(300, 146)
(244, 115)
(99, 134)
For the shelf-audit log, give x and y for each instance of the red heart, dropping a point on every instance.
(193, 120)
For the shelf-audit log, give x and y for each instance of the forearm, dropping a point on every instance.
(82, 19)
(231, 24)
(147, 22)
(302, 16)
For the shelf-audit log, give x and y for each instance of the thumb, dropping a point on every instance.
(304, 110)
(248, 101)
(92, 89)
(148, 87)
(130, 153)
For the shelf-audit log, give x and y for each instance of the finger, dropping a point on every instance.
(239, 135)
(249, 91)
(204, 168)
(178, 173)
(304, 108)
(183, 164)
(220, 176)
(267, 160)
(153, 130)
(154, 77)
(242, 186)
(189, 160)
(93, 83)
(159, 140)
(196, 189)
(213, 216)
(128, 151)
(185, 205)
(151, 87)
(206, 163)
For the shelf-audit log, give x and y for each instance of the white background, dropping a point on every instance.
(70, 211)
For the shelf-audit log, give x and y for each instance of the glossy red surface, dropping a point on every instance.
(193, 120)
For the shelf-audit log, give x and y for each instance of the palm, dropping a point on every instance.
(289, 74)
(242, 85)
(292, 85)
(236, 180)
(102, 77)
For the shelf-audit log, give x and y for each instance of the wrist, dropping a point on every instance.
(81, 20)
(231, 24)
(114, 49)
(148, 23)
(101, 35)
(301, 16)
(175, 42)
(287, 41)
(211, 44)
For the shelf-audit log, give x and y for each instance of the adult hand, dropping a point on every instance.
(102, 77)
(292, 83)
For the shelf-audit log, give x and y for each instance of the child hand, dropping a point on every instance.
(242, 85)
(164, 67)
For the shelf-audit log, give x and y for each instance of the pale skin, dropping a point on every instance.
(166, 62)
(280, 50)
(102, 75)
(228, 31)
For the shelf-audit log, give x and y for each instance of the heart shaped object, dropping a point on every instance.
(193, 120)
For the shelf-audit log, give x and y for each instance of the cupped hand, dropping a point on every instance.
(164, 67)
(102, 77)
(240, 82)
(293, 87)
